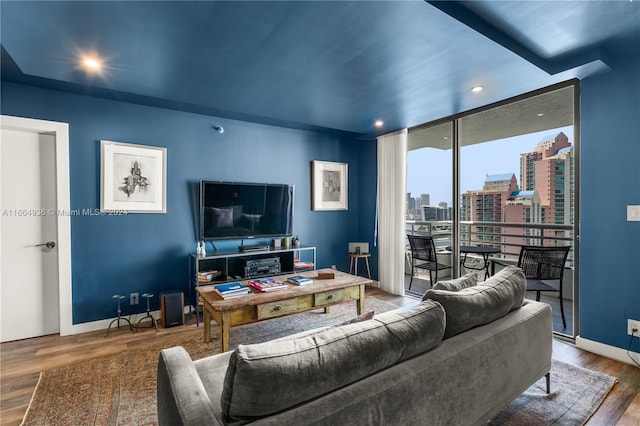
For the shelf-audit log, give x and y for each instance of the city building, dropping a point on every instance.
(424, 200)
(411, 203)
(548, 170)
(434, 213)
(486, 205)
(522, 207)
(414, 206)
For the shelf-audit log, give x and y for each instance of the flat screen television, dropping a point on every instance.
(233, 210)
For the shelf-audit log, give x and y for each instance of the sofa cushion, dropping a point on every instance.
(457, 284)
(481, 303)
(265, 378)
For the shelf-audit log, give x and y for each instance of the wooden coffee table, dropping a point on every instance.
(257, 306)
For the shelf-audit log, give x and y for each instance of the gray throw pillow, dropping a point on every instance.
(513, 278)
(482, 303)
(457, 284)
(266, 378)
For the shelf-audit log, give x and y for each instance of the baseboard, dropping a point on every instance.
(86, 327)
(608, 351)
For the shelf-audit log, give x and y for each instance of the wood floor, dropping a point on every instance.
(22, 361)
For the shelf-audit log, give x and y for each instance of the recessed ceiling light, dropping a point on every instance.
(378, 123)
(477, 89)
(92, 63)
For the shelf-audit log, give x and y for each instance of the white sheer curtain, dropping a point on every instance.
(391, 210)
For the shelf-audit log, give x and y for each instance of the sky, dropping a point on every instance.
(429, 169)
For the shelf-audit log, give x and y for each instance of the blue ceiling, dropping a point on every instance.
(314, 64)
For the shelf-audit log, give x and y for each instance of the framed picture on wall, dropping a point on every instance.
(133, 178)
(329, 182)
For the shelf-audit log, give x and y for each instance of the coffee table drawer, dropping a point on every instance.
(329, 297)
(276, 309)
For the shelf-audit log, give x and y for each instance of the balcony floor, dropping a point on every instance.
(421, 284)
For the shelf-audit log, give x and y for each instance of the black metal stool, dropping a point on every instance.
(119, 297)
(154, 323)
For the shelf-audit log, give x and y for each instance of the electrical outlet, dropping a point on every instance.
(633, 325)
(133, 298)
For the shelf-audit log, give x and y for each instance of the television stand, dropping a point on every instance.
(254, 247)
(230, 265)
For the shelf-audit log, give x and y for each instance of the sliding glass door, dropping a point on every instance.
(430, 200)
(513, 182)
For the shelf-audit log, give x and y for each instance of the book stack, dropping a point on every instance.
(268, 284)
(299, 280)
(231, 290)
(208, 276)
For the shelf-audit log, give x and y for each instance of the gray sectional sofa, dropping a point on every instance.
(459, 357)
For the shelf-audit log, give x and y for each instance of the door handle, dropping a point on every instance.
(48, 244)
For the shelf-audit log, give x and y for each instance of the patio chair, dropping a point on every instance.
(423, 256)
(541, 264)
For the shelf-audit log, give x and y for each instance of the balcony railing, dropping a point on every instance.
(508, 237)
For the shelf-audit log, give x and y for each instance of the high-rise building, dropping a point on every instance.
(548, 169)
(523, 207)
(424, 200)
(448, 211)
(411, 202)
(486, 205)
(432, 213)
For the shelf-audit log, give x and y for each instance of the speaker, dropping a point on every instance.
(171, 309)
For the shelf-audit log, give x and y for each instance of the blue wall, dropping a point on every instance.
(610, 173)
(149, 252)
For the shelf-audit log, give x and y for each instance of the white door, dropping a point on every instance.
(29, 304)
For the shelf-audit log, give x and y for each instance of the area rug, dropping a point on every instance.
(121, 389)
(576, 393)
